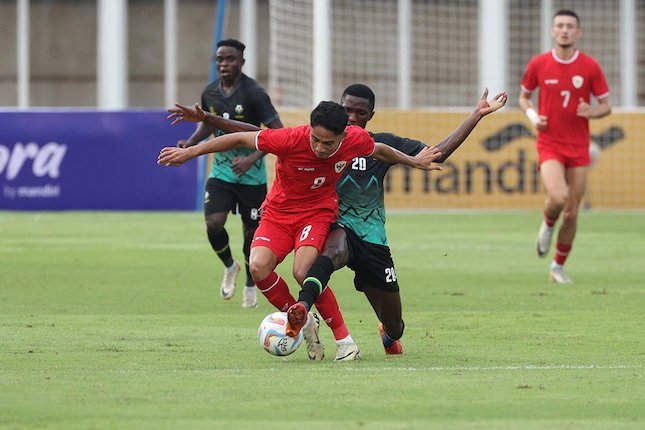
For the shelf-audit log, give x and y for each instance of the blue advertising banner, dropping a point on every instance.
(90, 160)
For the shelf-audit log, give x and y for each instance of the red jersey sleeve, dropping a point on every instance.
(277, 141)
(363, 141)
(530, 80)
(599, 87)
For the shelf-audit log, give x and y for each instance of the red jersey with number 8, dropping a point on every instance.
(562, 84)
(303, 181)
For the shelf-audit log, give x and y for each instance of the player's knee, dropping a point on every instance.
(332, 252)
(559, 198)
(570, 216)
(394, 328)
(338, 256)
(259, 269)
(258, 273)
(299, 275)
(336, 248)
(214, 225)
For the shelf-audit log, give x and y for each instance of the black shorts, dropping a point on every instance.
(222, 196)
(372, 264)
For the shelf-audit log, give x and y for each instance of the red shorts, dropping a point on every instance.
(568, 155)
(283, 232)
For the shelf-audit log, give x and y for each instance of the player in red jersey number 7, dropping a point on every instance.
(302, 203)
(566, 79)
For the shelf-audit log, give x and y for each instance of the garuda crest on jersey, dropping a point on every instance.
(577, 81)
(239, 109)
(340, 166)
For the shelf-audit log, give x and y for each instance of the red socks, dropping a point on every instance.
(550, 222)
(330, 311)
(276, 290)
(562, 252)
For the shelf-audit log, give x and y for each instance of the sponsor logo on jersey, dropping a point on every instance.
(340, 166)
(577, 81)
(551, 81)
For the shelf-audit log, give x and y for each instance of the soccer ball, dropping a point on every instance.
(273, 337)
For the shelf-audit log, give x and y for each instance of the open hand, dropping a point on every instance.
(426, 158)
(184, 113)
(170, 156)
(489, 106)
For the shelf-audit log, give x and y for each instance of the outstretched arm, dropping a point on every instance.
(423, 160)
(182, 113)
(457, 137)
(240, 165)
(178, 156)
(202, 131)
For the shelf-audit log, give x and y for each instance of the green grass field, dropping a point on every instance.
(113, 321)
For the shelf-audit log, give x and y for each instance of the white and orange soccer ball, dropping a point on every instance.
(273, 337)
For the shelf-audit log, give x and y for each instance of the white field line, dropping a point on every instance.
(525, 367)
(486, 368)
(246, 372)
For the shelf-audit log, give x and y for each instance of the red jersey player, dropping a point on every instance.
(302, 203)
(566, 78)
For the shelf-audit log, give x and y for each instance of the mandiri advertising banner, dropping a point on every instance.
(496, 167)
(90, 160)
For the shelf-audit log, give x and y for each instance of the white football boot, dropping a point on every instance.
(347, 352)
(315, 347)
(544, 240)
(557, 275)
(227, 289)
(250, 297)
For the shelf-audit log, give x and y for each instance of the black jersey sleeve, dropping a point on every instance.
(208, 105)
(403, 144)
(204, 103)
(261, 103)
(208, 95)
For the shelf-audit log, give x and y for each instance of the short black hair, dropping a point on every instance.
(362, 91)
(567, 12)
(233, 43)
(331, 116)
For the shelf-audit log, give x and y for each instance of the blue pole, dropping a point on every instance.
(217, 36)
